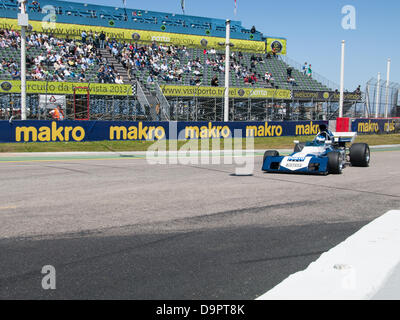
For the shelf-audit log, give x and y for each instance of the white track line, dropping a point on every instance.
(357, 268)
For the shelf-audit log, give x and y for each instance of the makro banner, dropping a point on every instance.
(218, 92)
(76, 131)
(373, 126)
(325, 95)
(74, 31)
(279, 44)
(45, 87)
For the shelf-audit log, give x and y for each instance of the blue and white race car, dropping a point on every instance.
(327, 153)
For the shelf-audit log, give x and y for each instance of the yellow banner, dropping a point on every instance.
(43, 87)
(74, 31)
(212, 92)
(278, 44)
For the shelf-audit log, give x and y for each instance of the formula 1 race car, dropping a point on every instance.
(327, 153)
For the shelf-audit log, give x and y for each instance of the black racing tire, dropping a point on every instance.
(270, 153)
(335, 165)
(359, 155)
(298, 147)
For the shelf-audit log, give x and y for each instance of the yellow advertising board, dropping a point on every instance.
(212, 92)
(74, 31)
(279, 44)
(43, 87)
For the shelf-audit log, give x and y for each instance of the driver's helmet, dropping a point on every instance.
(321, 138)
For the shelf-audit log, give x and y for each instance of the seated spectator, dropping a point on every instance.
(197, 81)
(82, 76)
(16, 75)
(214, 81)
(119, 80)
(150, 79)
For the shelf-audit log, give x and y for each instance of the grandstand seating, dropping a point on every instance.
(100, 15)
(82, 13)
(276, 66)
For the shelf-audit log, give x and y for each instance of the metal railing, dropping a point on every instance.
(164, 104)
(321, 79)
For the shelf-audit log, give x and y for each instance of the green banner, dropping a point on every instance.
(219, 92)
(43, 87)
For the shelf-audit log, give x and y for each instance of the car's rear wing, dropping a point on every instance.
(346, 137)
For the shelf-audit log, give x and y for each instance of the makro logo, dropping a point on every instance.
(206, 132)
(307, 129)
(263, 130)
(139, 132)
(49, 133)
(368, 126)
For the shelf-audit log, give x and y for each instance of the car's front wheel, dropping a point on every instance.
(270, 153)
(335, 163)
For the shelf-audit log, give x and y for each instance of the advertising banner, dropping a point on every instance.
(74, 31)
(325, 95)
(62, 88)
(218, 92)
(52, 131)
(371, 126)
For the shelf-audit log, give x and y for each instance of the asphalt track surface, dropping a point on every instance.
(119, 228)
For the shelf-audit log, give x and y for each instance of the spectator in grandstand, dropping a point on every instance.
(291, 81)
(197, 81)
(358, 90)
(96, 40)
(82, 77)
(289, 71)
(84, 36)
(102, 38)
(119, 80)
(305, 68)
(309, 71)
(214, 81)
(16, 75)
(150, 79)
(253, 79)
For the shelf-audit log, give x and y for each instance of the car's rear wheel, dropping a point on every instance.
(270, 153)
(298, 147)
(359, 155)
(335, 163)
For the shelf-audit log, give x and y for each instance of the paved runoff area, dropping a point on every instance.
(115, 227)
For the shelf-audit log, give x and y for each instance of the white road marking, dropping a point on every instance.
(357, 268)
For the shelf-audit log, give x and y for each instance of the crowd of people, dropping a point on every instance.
(60, 59)
(69, 60)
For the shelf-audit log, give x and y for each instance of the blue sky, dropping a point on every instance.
(313, 30)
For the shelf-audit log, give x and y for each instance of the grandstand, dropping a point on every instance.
(154, 52)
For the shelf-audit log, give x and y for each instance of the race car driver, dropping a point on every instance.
(324, 134)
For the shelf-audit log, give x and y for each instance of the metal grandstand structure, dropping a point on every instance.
(381, 95)
(148, 101)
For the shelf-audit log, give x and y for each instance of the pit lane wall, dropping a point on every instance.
(76, 131)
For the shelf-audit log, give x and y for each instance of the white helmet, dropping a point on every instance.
(321, 138)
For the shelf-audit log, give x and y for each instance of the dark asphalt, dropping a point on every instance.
(223, 263)
(124, 229)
